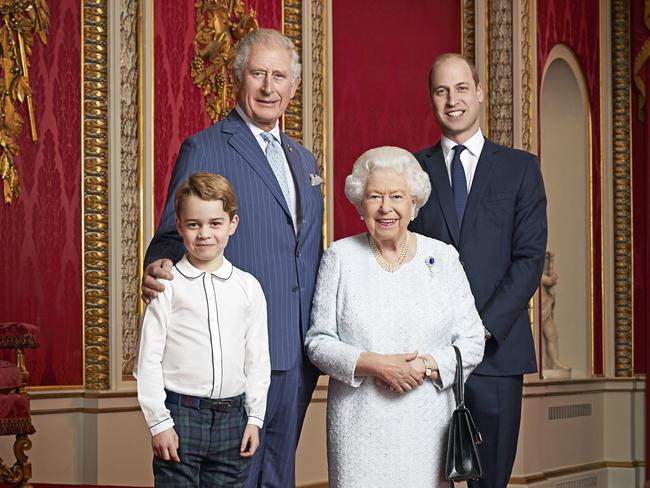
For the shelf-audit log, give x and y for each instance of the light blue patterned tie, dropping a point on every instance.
(459, 182)
(276, 160)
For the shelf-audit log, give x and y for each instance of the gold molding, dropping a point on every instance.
(94, 192)
(468, 31)
(131, 179)
(623, 359)
(292, 27)
(526, 76)
(500, 82)
(319, 99)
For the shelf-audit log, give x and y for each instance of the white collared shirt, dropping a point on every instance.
(469, 157)
(206, 336)
(275, 132)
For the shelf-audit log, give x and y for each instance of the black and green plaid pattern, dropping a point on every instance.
(209, 449)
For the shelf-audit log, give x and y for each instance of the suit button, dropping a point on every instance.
(295, 289)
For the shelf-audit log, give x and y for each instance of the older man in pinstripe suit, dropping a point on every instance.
(279, 235)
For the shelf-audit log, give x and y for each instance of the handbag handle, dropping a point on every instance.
(459, 387)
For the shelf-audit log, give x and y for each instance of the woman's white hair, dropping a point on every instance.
(266, 37)
(392, 158)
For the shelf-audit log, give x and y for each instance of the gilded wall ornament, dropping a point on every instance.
(19, 21)
(220, 26)
(639, 62)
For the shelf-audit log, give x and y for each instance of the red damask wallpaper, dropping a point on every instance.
(382, 52)
(641, 203)
(40, 242)
(178, 104)
(576, 24)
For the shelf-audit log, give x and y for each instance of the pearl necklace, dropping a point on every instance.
(390, 267)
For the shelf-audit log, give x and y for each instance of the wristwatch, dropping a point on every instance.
(427, 367)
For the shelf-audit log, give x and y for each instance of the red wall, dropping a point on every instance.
(641, 203)
(178, 104)
(40, 242)
(576, 24)
(382, 52)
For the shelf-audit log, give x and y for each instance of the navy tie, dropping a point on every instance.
(459, 182)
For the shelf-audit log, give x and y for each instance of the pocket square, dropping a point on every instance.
(315, 179)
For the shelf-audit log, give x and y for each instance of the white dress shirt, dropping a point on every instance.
(205, 336)
(469, 157)
(257, 132)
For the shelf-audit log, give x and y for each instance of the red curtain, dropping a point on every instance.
(40, 241)
(576, 24)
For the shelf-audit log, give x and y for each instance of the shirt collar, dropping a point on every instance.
(189, 271)
(474, 144)
(256, 130)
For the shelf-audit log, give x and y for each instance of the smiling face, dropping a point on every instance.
(266, 86)
(455, 98)
(205, 228)
(387, 206)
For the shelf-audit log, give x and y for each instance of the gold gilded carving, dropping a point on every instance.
(500, 71)
(19, 21)
(623, 359)
(220, 25)
(639, 61)
(469, 30)
(131, 165)
(526, 77)
(319, 100)
(293, 30)
(94, 127)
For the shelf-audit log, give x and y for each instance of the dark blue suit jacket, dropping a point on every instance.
(265, 243)
(502, 244)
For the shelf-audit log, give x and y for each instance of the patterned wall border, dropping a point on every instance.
(292, 27)
(526, 75)
(319, 99)
(622, 188)
(500, 67)
(131, 174)
(468, 12)
(94, 192)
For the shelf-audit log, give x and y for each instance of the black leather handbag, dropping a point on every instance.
(463, 462)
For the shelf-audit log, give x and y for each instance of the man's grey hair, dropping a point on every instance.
(392, 158)
(266, 37)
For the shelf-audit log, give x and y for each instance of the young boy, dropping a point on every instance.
(203, 367)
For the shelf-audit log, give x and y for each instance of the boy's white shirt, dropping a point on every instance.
(206, 336)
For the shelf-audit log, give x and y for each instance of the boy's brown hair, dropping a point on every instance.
(209, 187)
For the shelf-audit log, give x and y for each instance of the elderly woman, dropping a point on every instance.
(388, 306)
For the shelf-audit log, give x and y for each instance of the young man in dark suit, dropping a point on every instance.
(489, 202)
(279, 237)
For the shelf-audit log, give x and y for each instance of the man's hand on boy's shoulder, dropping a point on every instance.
(250, 441)
(165, 445)
(160, 268)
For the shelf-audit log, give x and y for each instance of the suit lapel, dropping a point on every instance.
(244, 143)
(440, 182)
(480, 182)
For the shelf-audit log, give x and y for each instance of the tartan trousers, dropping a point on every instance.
(209, 443)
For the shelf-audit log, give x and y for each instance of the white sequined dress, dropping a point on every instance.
(377, 438)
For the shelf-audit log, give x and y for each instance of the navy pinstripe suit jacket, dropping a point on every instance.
(265, 243)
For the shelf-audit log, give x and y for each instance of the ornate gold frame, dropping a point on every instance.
(94, 192)
(623, 243)
(468, 29)
(500, 79)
